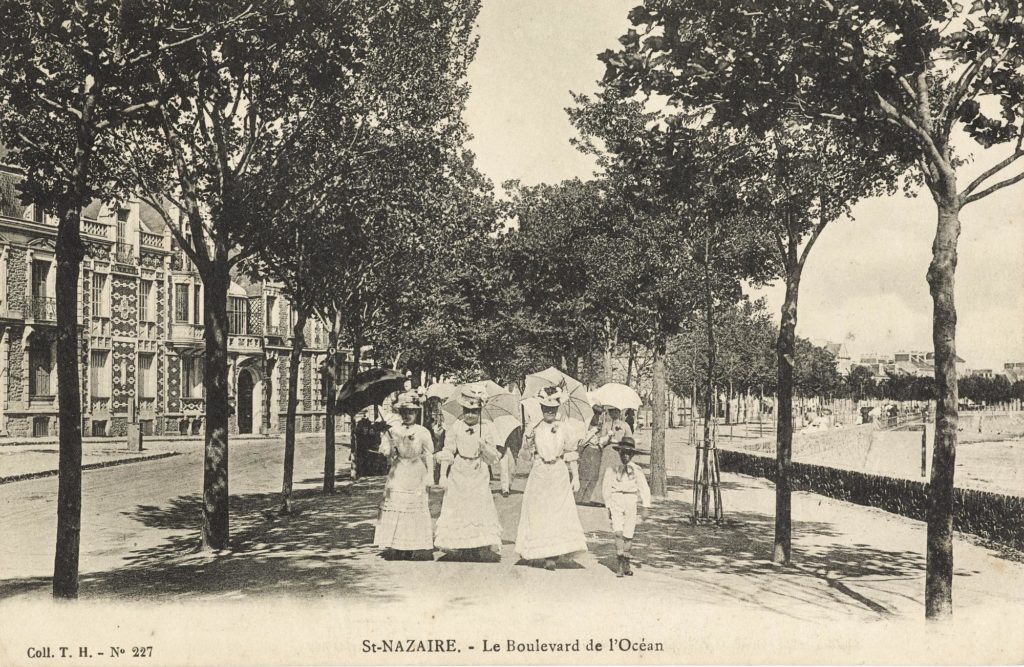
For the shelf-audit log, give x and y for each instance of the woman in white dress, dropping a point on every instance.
(404, 528)
(468, 525)
(617, 430)
(549, 525)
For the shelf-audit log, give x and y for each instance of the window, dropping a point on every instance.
(317, 381)
(37, 213)
(181, 302)
(197, 308)
(192, 377)
(40, 276)
(40, 368)
(147, 311)
(99, 373)
(238, 315)
(147, 376)
(271, 314)
(100, 297)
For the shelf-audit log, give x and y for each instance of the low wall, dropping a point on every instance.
(847, 445)
(977, 426)
(993, 516)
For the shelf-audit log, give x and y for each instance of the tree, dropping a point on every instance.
(912, 75)
(688, 222)
(218, 166)
(71, 75)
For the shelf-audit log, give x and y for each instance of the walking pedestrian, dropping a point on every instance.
(404, 528)
(549, 525)
(617, 430)
(590, 459)
(468, 524)
(624, 486)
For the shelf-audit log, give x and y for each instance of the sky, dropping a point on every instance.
(864, 282)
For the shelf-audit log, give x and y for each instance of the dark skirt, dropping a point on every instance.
(590, 474)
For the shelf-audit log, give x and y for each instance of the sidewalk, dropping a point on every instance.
(34, 459)
(710, 593)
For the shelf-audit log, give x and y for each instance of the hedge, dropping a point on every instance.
(994, 516)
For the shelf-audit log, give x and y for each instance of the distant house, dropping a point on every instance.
(841, 355)
(981, 373)
(1014, 370)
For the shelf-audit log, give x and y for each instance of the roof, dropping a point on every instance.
(151, 218)
(92, 211)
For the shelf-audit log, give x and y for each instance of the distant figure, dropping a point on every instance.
(590, 458)
(617, 430)
(631, 419)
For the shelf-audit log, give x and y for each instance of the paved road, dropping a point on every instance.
(114, 498)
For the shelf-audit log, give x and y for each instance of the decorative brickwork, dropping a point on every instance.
(17, 279)
(173, 383)
(124, 306)
(123, 369)
(15, 367)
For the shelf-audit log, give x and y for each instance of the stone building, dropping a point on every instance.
(141, 333)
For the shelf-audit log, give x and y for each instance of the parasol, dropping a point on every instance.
(575, 407)
(368, 388)
(442, 390)
(499, 403)
(618, 395)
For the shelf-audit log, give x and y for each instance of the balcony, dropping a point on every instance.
(186, 333)
(124, 253)
(42, 309)
(96, 228)
(244, 343)
(151, 240)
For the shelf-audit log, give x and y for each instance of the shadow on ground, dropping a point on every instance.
(322, 549)
(826, 571)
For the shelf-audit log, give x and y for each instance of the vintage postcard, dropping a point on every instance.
(473, 332)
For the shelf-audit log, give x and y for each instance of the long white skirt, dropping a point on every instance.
(404, 522)
(468, 517)
(549, 524)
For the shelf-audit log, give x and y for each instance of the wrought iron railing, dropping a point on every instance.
(123, 252)
(43, 308)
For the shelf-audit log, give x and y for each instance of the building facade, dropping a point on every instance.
(141, 333)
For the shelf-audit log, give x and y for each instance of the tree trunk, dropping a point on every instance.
(216, 279)
(329, 435)
(939, 568)
(659, 477)
(609, 343)
(294, 362)
(710, 396)
(357, 344)
(786, 352)
(630, 362)
(70, 252)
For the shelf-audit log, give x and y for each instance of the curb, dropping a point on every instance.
(89, 466)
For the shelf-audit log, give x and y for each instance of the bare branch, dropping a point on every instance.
(976, 183)
(989, 190)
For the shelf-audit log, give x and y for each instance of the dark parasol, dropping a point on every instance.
(368, 388)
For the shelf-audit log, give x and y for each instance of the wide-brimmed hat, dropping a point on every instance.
(628, 445)
(407, 401)
(472, 397)
(550, 397)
